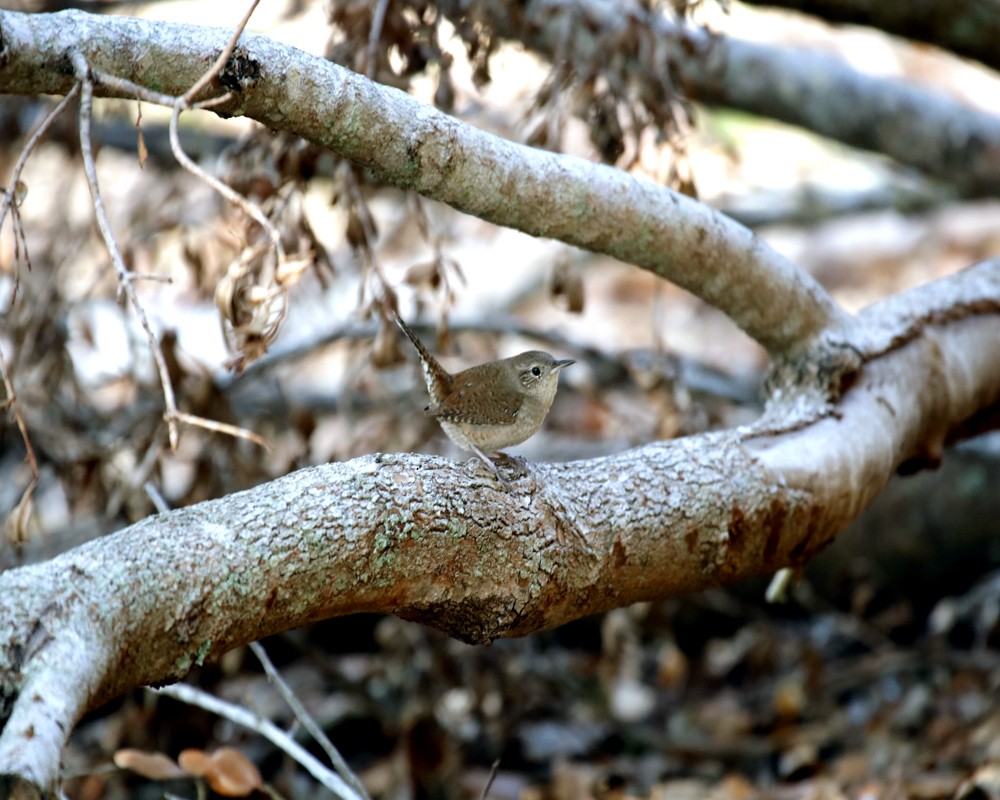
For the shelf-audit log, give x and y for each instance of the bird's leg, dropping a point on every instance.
(520, 463)
(491, 465)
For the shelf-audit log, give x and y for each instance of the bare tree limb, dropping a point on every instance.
(416, 147)
(969, 28)
(183, 693)
(917, 127)
(443, 544)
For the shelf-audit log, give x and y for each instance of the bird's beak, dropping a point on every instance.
(564, 363)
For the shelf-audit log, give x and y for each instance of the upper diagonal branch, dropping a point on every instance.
(416, 147)
(915, 126)
(969, 28)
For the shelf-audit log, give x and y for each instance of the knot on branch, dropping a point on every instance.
(473, 620)
(824, 372)
(241, 72)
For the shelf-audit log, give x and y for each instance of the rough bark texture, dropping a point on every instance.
(417, 147)
(444, 543)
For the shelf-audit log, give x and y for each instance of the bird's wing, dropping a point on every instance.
(474, 402)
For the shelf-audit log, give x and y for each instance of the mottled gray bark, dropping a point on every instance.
(444, 543)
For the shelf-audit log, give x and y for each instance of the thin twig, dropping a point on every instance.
(104, 224)
(10, 201)
(137, 475)
(8, 197)
(378, 20)
(234, 197)
(16, 524)
(222, 60)
(222, 427)
(153, 493)
(212, 102)
(172, 415)
(11, 402)
(371, 269)
(134, 90)
(184, 102)
(307, 721)
(196, 697)
(489, 781)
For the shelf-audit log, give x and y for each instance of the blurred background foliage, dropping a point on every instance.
(877, 678)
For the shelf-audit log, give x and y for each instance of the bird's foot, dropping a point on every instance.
(520, 466)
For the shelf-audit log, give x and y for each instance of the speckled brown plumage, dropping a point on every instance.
(494, 405)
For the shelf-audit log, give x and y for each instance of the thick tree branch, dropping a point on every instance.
(441, 542)
(416, 147)
(969, 28)
(917, 127)
(444, 544)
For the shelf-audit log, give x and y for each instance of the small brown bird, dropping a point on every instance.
(491, 406)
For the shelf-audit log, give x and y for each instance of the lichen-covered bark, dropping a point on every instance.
(445, 544)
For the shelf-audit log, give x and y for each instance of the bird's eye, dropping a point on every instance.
(536, 371)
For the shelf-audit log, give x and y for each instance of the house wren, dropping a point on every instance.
(491, 406)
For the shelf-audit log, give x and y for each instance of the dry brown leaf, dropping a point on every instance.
(141, 144)
(566, 284)
(385, 349)
(424, 273)
(15, 527)
(232, 774)
(355, 232)
(155, 766)
(227, 770)
(290, 269)
(194, 761)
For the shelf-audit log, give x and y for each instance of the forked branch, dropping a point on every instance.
(444, 543)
